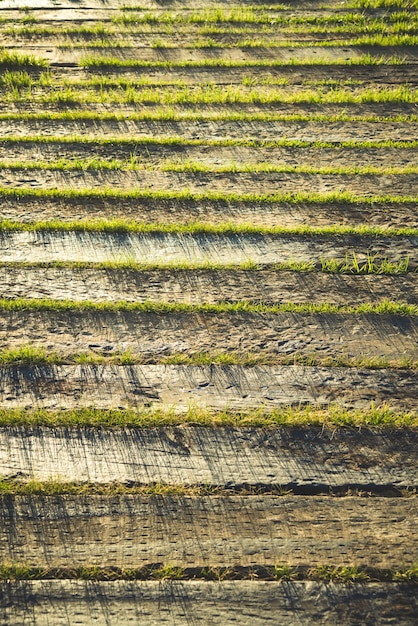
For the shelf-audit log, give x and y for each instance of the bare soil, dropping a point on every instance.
(178, 603)
(66, 531)
(326, 335)
(195, 286)
(216, 387)
(305, 458)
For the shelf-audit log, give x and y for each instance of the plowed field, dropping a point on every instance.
(208, 312)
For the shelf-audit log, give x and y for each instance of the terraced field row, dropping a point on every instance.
(208, 312)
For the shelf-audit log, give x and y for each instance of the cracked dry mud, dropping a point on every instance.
(306, 496)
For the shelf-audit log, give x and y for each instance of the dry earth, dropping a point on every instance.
(308, 496)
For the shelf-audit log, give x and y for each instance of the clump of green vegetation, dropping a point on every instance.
(372, 265)
(13, 61)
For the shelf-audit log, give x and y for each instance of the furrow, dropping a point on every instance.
(293, 457)
(207, 603)
(154, 156)
(75, 331)
(165, 211)
(195, 286)
(213, 386)
(129, 57)
(62, 531)
(50, 246)
(332, 131)
(368, 184)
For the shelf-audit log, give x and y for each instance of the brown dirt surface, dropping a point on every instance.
(179, 603)
(195, 286)
(210, 386)
(151, 334)
(304, 458)
(63, 531)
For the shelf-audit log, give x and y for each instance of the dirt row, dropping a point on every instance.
(307, 75)
(305, 458)
(212, 386)
(333, 54)
(153, 155)
(235, 183)
(151, 334)
(181, 603)
(196, 286)
(33, 209)
(222, 248)
(217, 129)
(185, 531)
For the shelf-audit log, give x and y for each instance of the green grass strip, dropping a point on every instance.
(196, 228)
(96, 63)
(31, 355)
(137, 164)
(307, 416)
(273, 572)
(15, 487)
(337, 197)
(372, 264)
(179, 141)
(171, 114)
(386, 307)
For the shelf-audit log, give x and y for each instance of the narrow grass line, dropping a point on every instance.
(373, 264)
(378, 35)
(383, 4)
(214, 95)
(125, 226)
(53, 487)
(203, 36)
(98, 63)
(174, 141)
(338, 197)
(32, 355)
(273, 572)
(386, 307)
(170, 114)
(333, 415)
(139, 164)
